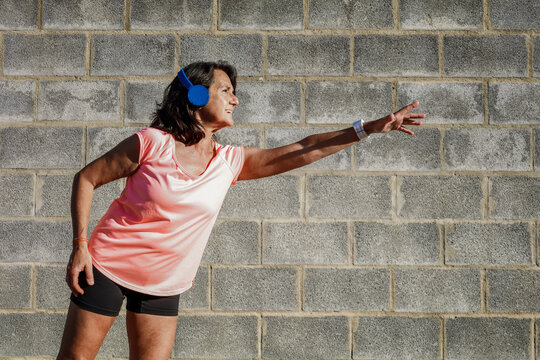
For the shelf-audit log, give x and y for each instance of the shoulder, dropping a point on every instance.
(151, 141)
(233, 156)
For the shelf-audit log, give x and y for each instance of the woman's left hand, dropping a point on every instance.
(395, 121)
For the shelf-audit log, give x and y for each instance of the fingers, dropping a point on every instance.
(405, 130)
(89, 275)
(408, 107)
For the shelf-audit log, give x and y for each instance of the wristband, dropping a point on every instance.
(359, 128)
(80, 239)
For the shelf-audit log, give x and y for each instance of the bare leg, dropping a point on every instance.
(150, 336)
(83, 333)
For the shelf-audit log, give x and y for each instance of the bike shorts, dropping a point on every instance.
(105, 297)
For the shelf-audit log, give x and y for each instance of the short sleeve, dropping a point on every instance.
(150, 140)
(234, 157)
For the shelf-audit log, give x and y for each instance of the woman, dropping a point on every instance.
(149, 244)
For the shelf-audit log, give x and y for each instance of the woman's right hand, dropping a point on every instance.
(80, 260)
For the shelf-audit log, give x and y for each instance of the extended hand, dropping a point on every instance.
(395, 121)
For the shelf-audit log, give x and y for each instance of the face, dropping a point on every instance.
(217, 114)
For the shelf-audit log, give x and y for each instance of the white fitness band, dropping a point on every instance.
(359, 128)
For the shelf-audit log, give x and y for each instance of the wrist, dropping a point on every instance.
(369, 127)
(359, 128)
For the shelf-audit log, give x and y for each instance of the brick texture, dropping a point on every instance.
(513, 290)
(506, 16)
(261, 14)
(16, 195)
(171, 15)
(16, 101)
(514, 197)
(356, 14)
(83, 14)
(15, 286)
(514, 103)
(18, 15)
(429, 14)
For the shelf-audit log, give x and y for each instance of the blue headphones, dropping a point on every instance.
(197, 94)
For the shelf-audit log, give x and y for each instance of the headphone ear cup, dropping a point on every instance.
(198, 95)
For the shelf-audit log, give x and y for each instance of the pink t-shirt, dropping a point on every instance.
(152, 237)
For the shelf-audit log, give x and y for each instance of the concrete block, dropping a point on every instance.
(239, 136)
(391, 55)
(439, 14)
(228, 337)
(487, 149)
(171, 15)
(16, 101)
(514, 103)
(18, 15)
(396, 337)
(487, 339)
(492, 244)
(513, 290)
(244, 51)
(40, 147)
(261, 14)
(437, 290)
(268, 102)
(355, 100)
(439, 197)
(197, 296)
(397, 151)
(52, 291)
(506, 15)
(79, 101)
(348, 196)
(356, 14)
(53, 196)
(396, 244)
(305, 337)
(273, 197)
(102, 139)
(121, 55)
(516, 197)
(305, 243)
(16, 194)
(462, 103)
(308, 55)
(35, 241)
(83, 14)
(233, 242)
(485, 56)
(280, 136)
(536, 55)
(254, 289)
(30, 334)
(44, 54)
(15, 286)
(339, 289)
(141, 100)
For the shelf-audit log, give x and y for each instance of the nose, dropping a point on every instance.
(234, 100)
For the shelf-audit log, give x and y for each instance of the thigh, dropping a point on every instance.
(150, 336)
(83, 333)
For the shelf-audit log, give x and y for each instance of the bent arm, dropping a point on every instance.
(260, 163)
(119, 162)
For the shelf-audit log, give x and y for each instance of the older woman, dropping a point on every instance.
(148, 246)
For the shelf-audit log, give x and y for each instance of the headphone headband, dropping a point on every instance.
(197, 94)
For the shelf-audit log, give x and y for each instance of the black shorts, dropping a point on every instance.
(106, 297)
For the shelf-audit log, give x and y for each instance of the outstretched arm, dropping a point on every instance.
(266, 162)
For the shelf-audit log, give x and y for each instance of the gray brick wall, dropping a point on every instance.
(399, 247)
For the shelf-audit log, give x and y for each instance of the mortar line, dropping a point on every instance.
(127, 15)
(351, 337)
(532, 342)
(534, 242)
(2, 54)
(351, 55)
(303, 102)
(301, 290)
(34, 195)
(351, 241)
(36, 98)
(260, 324)
(530, 49)
(396, 15)
(440, 46)
(485, 198)
(40, 15)
(260, 241)
(486, 22)
(442, 153)
(214, 27)
(532, 150)
(88, 54)
(483, 291)
(210, 286)
(442, 334)
(442, 243)
(395, 200)
(485, 99)
(303, 198)
(395, 84)
(264, 55)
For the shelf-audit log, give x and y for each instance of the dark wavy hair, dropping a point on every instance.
(175, 114)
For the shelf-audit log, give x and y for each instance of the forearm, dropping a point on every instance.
(318, 146)
(81, 201)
